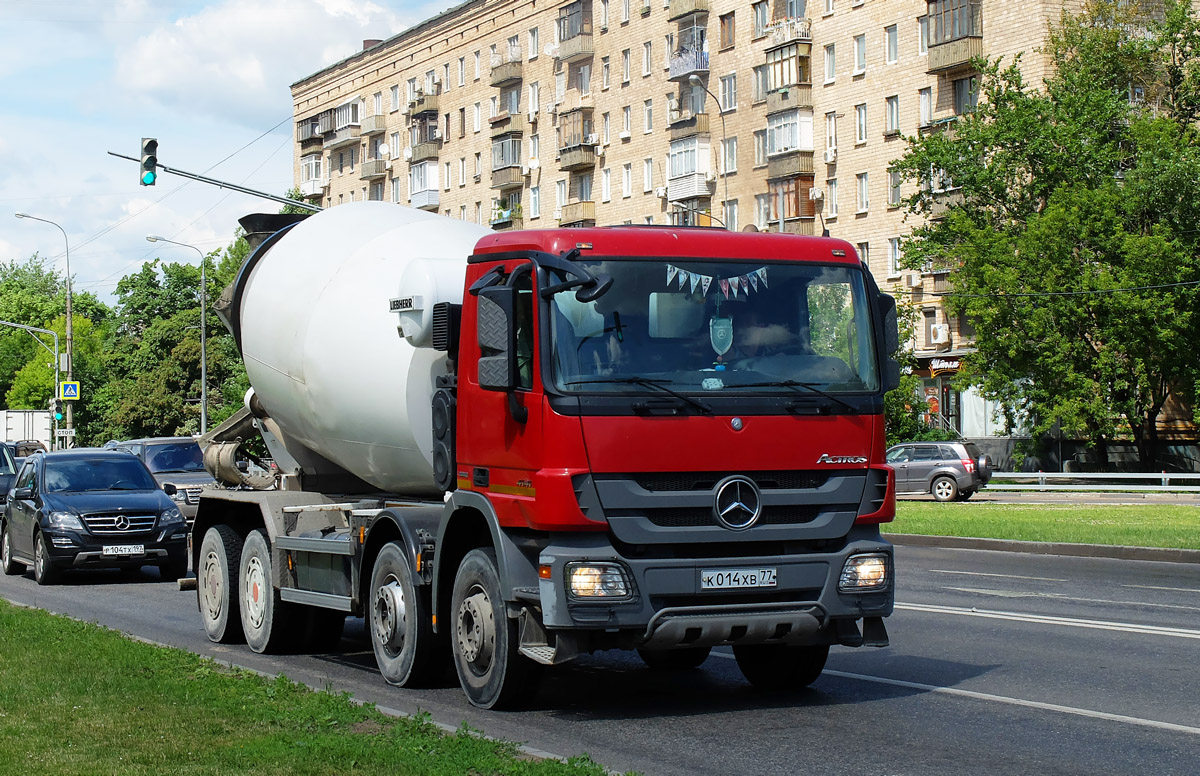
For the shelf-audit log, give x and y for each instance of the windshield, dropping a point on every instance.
(80, 474)
(175, 457)
(716, 326)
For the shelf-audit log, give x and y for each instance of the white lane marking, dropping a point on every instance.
(1171, 589)
(1064, 597)
(985, 574)
(1072, 622)
(983, 696)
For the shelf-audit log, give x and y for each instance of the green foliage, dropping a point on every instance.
(1070, 233)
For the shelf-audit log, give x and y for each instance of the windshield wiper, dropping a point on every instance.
(812, 387)
(647, 383)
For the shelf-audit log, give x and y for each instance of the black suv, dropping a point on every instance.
(90, 509)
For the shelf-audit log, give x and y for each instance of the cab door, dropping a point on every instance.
(23, 512)
(899, 459)
(926, 458)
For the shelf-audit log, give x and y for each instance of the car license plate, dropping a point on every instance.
(125, 549)
(721, 579)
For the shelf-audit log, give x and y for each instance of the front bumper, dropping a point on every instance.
(74, 549)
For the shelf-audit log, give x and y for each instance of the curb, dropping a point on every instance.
(1114, 551)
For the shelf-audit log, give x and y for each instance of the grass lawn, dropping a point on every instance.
(1149, 525)
(79, 699)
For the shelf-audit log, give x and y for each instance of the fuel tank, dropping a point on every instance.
(327, 363)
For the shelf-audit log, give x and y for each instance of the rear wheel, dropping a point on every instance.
(11, 567)
(43, 570)
(265, 617)
(217, 584)
(485, 643)
(674, 659)
(406, 648)
(944, 489)
(781, 666)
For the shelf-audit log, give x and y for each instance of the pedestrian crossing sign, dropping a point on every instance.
(69, 389)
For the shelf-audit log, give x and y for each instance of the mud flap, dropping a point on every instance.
(536, 643)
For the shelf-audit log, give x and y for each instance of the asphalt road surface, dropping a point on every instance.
(1001, 663)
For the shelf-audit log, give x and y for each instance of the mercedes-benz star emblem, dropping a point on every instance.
(122, 523)
(738, 504)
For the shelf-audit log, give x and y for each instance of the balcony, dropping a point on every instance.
(314, 187)
(685, 124)
(425, 103)
(790, 30)
(688, 186)
(308, 130)
(942, 202)
(790, 164)
(423, 152)
(506, 73)
(343, 137)
(373, 125)
(373, 168)
(789, 97)
(508, 178)
(954, 54)
(507, 218)
(578, 214)
(685, 63)
(805, 225)
(576, 48)
(580, 157)
(425, 200)
(681, 8)
(507, 124)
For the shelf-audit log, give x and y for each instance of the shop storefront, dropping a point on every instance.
(943, 403)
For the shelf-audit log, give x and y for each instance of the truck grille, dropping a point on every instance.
(691, 518)
(107, 523)
(192, 495)
(778, 480)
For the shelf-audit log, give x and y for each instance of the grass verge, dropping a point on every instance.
(76, 698)
(1150, 525)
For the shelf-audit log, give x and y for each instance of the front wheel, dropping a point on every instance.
(217, 584)
(485, 643)
(781, 666)
(406, 648)
(265, 617)
(674, 659)
(11, 567)
(944, 489)
(43, 571)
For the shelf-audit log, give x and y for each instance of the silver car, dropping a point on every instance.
(948, 470)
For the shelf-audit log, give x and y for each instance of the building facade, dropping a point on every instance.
(781, 114)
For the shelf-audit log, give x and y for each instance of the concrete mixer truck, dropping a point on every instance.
(505, 450)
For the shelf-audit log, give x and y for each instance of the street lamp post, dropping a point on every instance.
(203, 330)
(70, 329)
(694, 80)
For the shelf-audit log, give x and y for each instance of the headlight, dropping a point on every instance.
(169, 516)
(65, 521)
(865, 572)
(179, 496)
(596, 580)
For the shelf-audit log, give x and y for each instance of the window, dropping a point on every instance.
(786, 67)
(828, 7)
(729, 155)
(646, 59)
(535, 201)
(647, 175)
(966, 94)
(831, 130)
(478, 164)
(648, 114)
(625, 66)
(863, 200)
(626, 179)
(605, 185)
(478, 116)
(864, 252)
(560, 193)
(783, 132)
(535, 96)
(422, 177)
(893, 256)
(447, 176)
(893, 188)
(535, 146)
(760, 148)
(682, 159)
(627, 118)
(831, 197)
(624, 11)
(310, 168)
(412, 89)
(395, 98)
(606, 124)
(462, 171)
(860, 54)
(476, 65)
(462, 212)
(506, 152)
(860, 123)
(462, 121)
(891, 115)
(727, 30)
(585, 186)
(446, 77)
(462, 71)
(668, 48)
(585, 79)
(603, 15)
(760, 83)
(785, 198)
(954, 19)
(533, 43)
(761, 18)
(510, 100)
(830, 71)
(396, 190)
(925, 99)
(728, 92)
(762, 210)
(731, 215)
(479, 212)
(604, 77)
(395, 145)
(891, 45)
(923, 35)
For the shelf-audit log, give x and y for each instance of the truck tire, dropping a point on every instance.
(217, 584)
(944, 489)
(11, 567)
(781, 666)
(43, 570)
(401, 625)
(674, 659)
(485, 643)
(266, 619)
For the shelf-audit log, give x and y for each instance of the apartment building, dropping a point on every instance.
(776, 114)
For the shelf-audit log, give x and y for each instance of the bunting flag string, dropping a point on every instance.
(685, 280)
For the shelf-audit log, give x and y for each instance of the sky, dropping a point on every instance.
(208, 78)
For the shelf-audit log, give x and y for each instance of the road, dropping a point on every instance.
(1001, 663)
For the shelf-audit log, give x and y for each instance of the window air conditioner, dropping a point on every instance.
(912, 280)
(599, 150)
(624, 134)
(525, 170)
(593, 138)
(815, 193)
(532, 116)
(660, 192)
(830, 155)
(557, 214)
(940, 333)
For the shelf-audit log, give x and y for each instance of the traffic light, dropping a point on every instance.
(149, 161)
(58, 409)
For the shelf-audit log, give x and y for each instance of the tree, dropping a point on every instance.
(1069, 225)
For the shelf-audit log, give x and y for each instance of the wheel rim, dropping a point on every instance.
(39, 558)
(476, 631)
(255, 599)
(389, 616)
(943, 489)
(213, 587)
(5, 552)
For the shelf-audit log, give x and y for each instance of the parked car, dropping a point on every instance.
(948, 470)
(177, 461)
(90, 509)
(8, 472)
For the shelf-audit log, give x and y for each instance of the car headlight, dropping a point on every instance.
(169, 516)
(863, 573)
(179, 496)
(596, 580)
(65, 521)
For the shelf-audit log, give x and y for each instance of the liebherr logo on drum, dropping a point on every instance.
(836, 459)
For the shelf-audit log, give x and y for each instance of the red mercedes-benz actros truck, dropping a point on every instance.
(503, 450)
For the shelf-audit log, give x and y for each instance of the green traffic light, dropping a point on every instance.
(58, 416)
(148, 178)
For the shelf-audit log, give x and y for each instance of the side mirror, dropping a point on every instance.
(23, 494)
(891, 328)
(497, 338)
(169, 488)
(243, 466)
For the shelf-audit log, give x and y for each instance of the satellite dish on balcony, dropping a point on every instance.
(384, 150)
